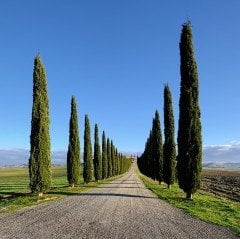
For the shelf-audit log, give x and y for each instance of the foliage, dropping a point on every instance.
(169, 149)
(73, 154)
(109, 158)
(150, 162)
(87, 156)
(157, 148)
(97, 159)
(40, 158)
(104, 157)
(112, 158)
(189, 159)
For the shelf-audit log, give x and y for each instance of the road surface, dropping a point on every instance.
(123, 208)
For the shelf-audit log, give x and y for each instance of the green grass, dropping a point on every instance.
(203, 206)
(15, 193)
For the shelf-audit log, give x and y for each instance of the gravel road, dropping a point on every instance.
(123, 208)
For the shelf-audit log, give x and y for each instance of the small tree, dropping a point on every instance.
(189, 159)
(73, 154)
(104, 157)
(40, 155)
(169, 149)
(88, 160)
(97, 156)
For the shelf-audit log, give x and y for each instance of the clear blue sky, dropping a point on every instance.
(115, 57)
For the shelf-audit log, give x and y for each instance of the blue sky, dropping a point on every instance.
(115, 57)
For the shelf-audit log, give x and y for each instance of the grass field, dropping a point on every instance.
(208, 208)
(15, 193)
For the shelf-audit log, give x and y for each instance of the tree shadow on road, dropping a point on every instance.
(115, 195)
(101, 195)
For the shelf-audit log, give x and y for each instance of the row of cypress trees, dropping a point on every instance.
(100, 165)
(158, 161)
(104, 163)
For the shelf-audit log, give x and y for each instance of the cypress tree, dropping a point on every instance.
(40, 155)
(87, 156)
(189, 159)
(113, 158)
(104, 157)
(116, 162)
(109, 158)
(157, 149)
(149, 156)
(73, 154)
(97, 159)
(169, 149)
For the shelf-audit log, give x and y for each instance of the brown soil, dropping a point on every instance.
(222, 183)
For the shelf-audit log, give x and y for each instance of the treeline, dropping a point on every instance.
(159, 161)
(101, 162)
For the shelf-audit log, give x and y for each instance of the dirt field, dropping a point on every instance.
(222, 183)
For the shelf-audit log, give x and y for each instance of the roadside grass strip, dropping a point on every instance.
(204, 206)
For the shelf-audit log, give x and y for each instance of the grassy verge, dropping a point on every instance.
(15, 193)
(204, 206)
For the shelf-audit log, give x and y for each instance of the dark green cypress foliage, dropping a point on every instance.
(97, 159)
(169, 149)
(73, 154)
(87, 156)
(149, 156)
(104, 157)
(113, 158)
(157, 149)
(40, 155)
(116, 162)
(109, 158)
(145, 161)
(189, 159)
(121, 160)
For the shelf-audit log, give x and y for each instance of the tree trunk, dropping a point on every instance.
(169, 186)
(189, 196)
(71, 185)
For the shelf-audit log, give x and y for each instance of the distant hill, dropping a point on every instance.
(222, 165)
(18, 157)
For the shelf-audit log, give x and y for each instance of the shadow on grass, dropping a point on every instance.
(9, 195)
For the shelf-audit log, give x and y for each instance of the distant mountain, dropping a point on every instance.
(17, 157)
(222, 165)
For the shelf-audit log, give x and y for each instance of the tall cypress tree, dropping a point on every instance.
(97, 159)
(109, 158)
(169, 149)
(189, 159)
(40, 155)
(73, 154)
(87, 156)
(104, 157)
(157, 148)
